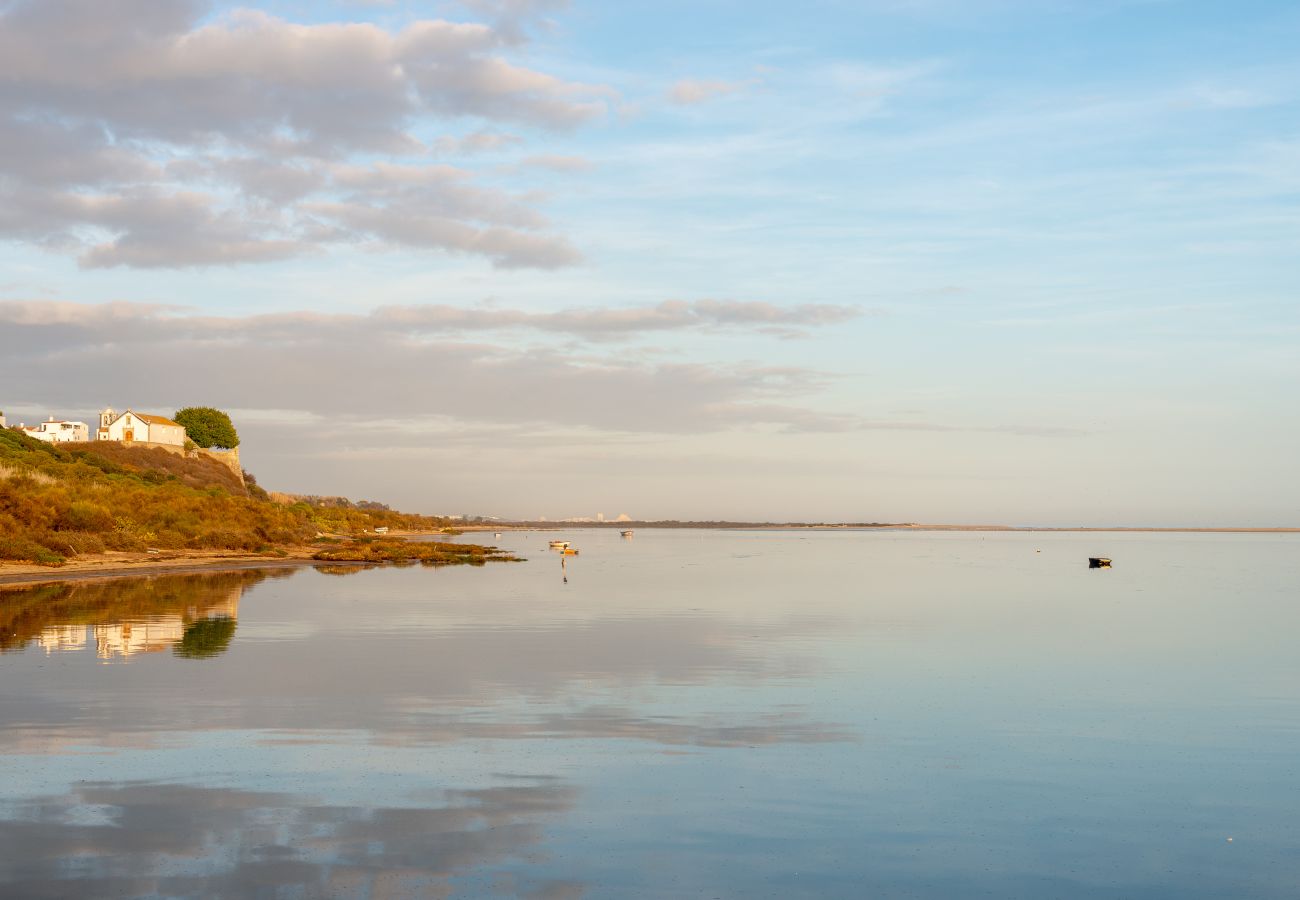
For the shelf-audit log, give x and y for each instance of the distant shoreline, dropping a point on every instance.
(127, 565)
(858, 526)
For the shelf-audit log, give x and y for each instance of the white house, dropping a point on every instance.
(58, 432)
(132, 426)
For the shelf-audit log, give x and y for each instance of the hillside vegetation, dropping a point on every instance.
(62, 501)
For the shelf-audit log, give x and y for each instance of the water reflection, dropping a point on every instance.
(180, 840)
(192, 615)
(406, 668)
(699, 714)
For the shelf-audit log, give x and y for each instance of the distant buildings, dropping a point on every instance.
(128, 427)
(53, 432)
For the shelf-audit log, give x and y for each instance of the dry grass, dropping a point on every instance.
(35, 475)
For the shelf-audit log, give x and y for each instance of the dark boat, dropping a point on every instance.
(1098, 562)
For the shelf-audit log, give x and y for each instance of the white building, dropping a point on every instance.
(132, 426)
(58, 432)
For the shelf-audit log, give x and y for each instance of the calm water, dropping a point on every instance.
(693, 714)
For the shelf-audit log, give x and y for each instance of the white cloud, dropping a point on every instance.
(690, 91)
(181, 143)
(558, 163)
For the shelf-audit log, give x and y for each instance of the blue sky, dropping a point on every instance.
(1008, 261)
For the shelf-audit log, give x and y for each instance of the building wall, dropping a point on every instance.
(144, 433)
(59, 432)
(138, 427)
(167, 434)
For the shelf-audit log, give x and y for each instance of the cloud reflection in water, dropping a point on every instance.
(177, 840)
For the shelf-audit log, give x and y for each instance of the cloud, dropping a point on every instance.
(512, 18)
(152, 322)
(284, 362)
(690, 91)
(317, 363)
(557, 163)
(475, 142)
(182, 142)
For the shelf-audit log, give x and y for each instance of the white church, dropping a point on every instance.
(127, 427)
(145, 428)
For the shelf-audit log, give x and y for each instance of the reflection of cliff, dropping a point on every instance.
(193, 614)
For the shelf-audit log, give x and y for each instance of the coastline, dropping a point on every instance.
(126, 565)
(820, 526)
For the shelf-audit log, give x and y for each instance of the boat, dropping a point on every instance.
(569, 551)
(1098, 562)
(559, 545)
(626, 533)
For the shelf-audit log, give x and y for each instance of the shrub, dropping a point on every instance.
(73, 543)
(82, 515)
(20, 548)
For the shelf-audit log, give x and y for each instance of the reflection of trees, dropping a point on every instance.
(206, 638)
(129, 615)
(340, 570)
(179, 840)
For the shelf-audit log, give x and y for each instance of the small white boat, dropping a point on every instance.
(626, 534)
(559, 545)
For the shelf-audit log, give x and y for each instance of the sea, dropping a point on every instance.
(678, 714)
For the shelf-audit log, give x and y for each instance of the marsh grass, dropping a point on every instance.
(429, 553)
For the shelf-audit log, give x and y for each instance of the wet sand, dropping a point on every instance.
(119, 565)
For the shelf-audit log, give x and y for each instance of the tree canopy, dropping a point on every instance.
(208, 427)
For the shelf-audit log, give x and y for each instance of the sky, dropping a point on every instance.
(986, 261)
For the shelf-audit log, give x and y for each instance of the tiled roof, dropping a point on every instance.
(153, 420)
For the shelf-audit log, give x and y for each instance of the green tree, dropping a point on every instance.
(207, 427)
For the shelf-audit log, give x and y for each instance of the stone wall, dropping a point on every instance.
(228, 458)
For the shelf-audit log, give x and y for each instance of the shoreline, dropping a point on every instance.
(126, 565)
(797, 526)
